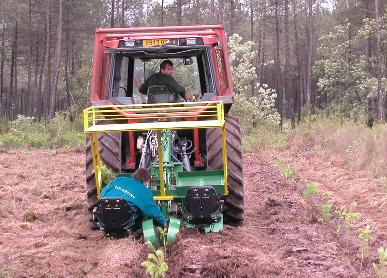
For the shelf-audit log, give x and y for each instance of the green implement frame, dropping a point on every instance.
(169, 182)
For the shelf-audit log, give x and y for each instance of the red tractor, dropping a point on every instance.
(123, 59)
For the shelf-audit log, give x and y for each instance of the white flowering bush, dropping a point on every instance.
(342, 75)
(241, 59)
(254, 103)
(257, 109)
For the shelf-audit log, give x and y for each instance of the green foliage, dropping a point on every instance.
(285, 170)
(381, 268)
(349, 217)
(311, 191)
(107, 175)
(155, 266)
(26, 132)
(326, 207)
(263, 136)
(365, 235)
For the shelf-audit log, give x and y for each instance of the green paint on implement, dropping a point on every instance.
(216, 227)
(173, 229)
(151, 235)
(149, 232)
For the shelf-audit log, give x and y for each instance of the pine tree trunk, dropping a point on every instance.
(262, 44)
(297, 106)
(162, 12)
(2, 91)
(277, 64)
(12, 106)
(381, 93)
(251, 21)
(232, 17)
(38, 83)
(67, 63)
(29, 96)
(45, 95)
(179, 12)
(310, 57)
(57, 59)
(289, 95)
(122, 13)
(17, 94)
(112, 13)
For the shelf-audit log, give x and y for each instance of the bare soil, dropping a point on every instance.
(44, 233)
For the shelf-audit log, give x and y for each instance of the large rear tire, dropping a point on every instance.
(110, 151)
(233, 207)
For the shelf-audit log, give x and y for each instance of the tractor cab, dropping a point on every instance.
(125, 57)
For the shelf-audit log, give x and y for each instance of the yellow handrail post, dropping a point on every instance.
(161, 165)
(94, 151)
(224, 150)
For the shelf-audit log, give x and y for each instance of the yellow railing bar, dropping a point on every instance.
(163, 198)
(147, 112)
(216, 102)
(135, 109)
(153, 115)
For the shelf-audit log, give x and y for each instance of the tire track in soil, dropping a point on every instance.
(277, 239)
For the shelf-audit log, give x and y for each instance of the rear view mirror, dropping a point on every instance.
(187, 61)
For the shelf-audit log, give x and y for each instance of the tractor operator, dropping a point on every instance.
(164, 77)
(139, 197)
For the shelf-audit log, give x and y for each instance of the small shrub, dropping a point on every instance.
(285, 170)
(30, 216)
(383, 183)
(365, 235)
(349, 217)
(311, 191)
(4, 125)
(326, 207)
(107, 175)
(381, 268)
(155, 266)
(264, 136)
(163, 235)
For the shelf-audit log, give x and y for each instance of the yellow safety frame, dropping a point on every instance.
(158, 117)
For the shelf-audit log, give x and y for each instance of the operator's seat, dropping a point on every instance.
(114, 216)
(161, 94)
(202, 206)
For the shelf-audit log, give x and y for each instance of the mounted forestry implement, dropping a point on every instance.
(192, 149)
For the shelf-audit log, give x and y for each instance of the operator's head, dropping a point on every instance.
(166, 67)
(142, 175)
